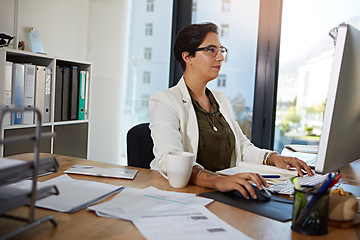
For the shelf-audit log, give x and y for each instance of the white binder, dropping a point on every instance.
(29, 93)
(40, 89)
(47, 95)
(6, 97)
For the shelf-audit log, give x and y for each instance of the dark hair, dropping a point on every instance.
(189, 38)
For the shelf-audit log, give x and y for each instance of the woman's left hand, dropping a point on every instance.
(288, 162)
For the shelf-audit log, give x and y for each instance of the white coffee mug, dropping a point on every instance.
(178, 168)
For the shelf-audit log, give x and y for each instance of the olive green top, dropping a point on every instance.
(216, 139)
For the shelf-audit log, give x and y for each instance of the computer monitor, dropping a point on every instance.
(340, 136)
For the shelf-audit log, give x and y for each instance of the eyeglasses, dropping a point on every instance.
(212, 50)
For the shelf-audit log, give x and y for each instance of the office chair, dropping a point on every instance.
(139, 146)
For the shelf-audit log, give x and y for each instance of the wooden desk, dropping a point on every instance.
(86, 225)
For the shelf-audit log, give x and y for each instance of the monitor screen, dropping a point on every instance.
(340, 136)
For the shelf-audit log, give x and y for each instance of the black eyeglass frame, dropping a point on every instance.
(222, 49)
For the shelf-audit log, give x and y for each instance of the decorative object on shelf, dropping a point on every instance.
(21, 46)
(5, 40)
(35, 41)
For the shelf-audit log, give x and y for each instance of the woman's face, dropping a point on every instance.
(203, 65)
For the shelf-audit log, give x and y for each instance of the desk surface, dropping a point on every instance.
(86, 225)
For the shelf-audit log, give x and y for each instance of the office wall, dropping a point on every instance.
(108, 21)
(7, 17)
(62, 25)
(83, 30)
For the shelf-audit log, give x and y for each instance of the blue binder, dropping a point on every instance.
(17, 97)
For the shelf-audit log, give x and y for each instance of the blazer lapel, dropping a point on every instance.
(191, 125)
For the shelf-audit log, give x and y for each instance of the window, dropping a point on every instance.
(237, 75)
(145, 100)
(225, 5)
(150, 5)
(221, 80)
(224, 30)
(194, 9)
(146, 77)
(305, 66)
(147, 53)
(148, 29)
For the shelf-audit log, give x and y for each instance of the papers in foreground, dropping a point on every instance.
(258, 168)
(74, 194)
(167, 215)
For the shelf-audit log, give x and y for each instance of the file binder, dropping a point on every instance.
(6, 97)
(86, 104)
(58, 94)
(17, 96)
(65, 94)
(29, 93)
(40, 89)
(82, 95)
(74, 93)
(47, 94)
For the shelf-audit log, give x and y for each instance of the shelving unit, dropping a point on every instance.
(12, 171)
(73, 134)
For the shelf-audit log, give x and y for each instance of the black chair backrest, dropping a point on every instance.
(139, 146)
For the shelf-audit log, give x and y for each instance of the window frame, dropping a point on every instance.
(147, 53)
(266, 79)
(150, 6)
(146, 77)
(225, 30)
(149, 29)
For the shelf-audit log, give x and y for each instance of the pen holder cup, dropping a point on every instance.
(310, 212)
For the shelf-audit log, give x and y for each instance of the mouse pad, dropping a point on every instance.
(277, 208)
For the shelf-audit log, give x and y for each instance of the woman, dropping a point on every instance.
(190, 117)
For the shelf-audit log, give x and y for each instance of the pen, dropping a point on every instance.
(270, 176)
(309, 207)
(334, 180)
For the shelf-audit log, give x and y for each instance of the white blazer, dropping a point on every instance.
(174, 126)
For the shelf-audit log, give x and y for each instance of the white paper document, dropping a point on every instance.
(146, 198)
(168, 215)
(6, 163)
(308, 158)
(118, 172)
(74, 194)
(303, 148)
(258, 168)
(190, 222)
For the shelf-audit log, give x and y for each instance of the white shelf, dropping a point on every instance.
(71, 127)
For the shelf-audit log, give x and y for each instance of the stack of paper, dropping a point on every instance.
(147, 199)
(168, 215)
(258, 168)
(303, 148)
(308, 158)
(74, 194)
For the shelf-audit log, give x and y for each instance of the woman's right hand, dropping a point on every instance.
(240, 182)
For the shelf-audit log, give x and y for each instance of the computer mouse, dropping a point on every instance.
(262, 195)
